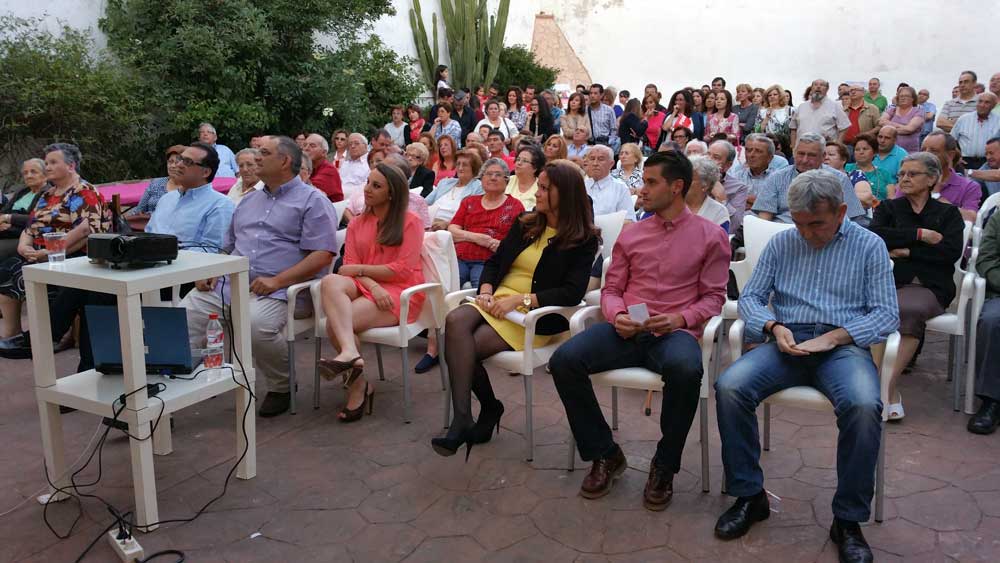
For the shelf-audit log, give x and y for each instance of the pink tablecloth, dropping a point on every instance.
(131, 192)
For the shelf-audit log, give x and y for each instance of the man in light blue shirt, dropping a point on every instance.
(823, 293)
(889, 155)
(930, 112)
(772, 199)
(227, 160)
(195, 213)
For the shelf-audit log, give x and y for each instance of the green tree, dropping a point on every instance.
(518, 67)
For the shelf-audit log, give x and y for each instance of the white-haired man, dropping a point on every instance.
(323, 175)
(227, 160)
(609, 194)
(354, 167)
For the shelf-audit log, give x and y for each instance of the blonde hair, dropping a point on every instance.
(634, 150)
(781, 95)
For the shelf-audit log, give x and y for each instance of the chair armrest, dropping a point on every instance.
(973, 257)
(708, 347)
(531, 318)
(435, 295)
(736, 339)
(885, 369)
(965, 293)
(584, 318)
(456, 298)
(293, 294)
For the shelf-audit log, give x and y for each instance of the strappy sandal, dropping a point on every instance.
(332, 369)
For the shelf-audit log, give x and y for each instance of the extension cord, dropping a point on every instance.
(128, 550)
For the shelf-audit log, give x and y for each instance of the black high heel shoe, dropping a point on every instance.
(367, 405)
(489, 419)
(449, 444)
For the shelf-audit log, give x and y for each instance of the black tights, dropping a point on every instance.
(465, 360)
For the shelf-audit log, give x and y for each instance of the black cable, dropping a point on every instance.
(180, 555)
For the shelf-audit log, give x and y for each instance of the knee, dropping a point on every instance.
(861, 408)
(729, 386)
(458, 322)
(335, 283)
(561, 363)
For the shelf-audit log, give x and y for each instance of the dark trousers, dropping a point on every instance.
(988, 351)
(676, 356)
(64, 306)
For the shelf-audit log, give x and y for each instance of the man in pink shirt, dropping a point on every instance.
(677, 265)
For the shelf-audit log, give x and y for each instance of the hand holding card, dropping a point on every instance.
(639, 313)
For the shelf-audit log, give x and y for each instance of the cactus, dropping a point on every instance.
(473, 44)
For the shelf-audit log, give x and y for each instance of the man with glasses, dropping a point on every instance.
(863, 116)
(227, 160)
(194, 213)
(963, 104)
(681, 136)
(324, 175)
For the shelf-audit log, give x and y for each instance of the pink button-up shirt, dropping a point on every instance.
(679, 266)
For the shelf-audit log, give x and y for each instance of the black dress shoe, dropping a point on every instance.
(736, 521)
(987, 419)
(274, 404)
(17, 347)
(851, 544)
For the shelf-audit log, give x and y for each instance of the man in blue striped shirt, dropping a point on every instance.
(829, 282)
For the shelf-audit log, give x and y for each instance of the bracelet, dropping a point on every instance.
(771, 330)
(920, 234)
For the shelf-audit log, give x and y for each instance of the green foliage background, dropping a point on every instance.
(246, 66)
(518, 67)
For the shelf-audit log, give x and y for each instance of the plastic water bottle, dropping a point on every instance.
(215, 339)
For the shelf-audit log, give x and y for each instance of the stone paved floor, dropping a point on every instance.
(375, 491)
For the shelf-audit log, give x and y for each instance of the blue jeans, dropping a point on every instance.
(469, 271)
(676, 356)
(846, 375)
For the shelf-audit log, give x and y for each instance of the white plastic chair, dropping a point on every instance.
(645, 380)
(611, 225)
(810, 398)
(524, 362)
(296, 328)
(978, 299)
(399, 336)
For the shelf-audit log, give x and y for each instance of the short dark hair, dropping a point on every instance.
(537, 157)
(673, 166)
(687, 132)
(496, 133)
(719, 79)
(382, 133)
(288, 147)
(600, 87)
(972, 74)
(445, 92)
(445, 105)
(211, 160)
(71, 153)
(625, 93)
(532, 86)
(993, 140)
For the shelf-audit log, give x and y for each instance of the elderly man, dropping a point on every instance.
(874, 95)
(987, 418)
(819, 115)
(227, 160)
(889, 155)
(354, 168)
(324, 175)
(989, 174)
(760, 163)
(194, 213)
(862, 115)
(930, 112)
(604, 126)
(963, 104)
(772, 200)
(287, 230)
(823, 294)
(646, 271)
(249, 162)
(953, 188)
(973, 129)
(608, 194)
(724, 154)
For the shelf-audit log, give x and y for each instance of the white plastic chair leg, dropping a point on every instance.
(406, 383)
(614, 409)
(293, 384)
(528, 422)
(767, 427)
(378, 356)
(319, 351)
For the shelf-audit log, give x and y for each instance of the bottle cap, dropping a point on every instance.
(213, 316)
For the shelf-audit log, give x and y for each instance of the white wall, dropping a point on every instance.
(628, 43)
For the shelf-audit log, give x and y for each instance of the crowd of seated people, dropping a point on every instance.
(518, 182)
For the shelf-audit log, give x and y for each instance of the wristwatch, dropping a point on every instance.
(526, 300)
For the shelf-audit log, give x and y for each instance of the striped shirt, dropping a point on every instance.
(772, 197)
(972, 133)
(957, 107)
(848, 283)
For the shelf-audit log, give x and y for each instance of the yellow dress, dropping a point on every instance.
(527, 198)
(518, 282)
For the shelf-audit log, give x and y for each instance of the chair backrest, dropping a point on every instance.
(338, 208)
(610, 225)
(416, 190)
(440, 265)
(985, 209)
(757, 233)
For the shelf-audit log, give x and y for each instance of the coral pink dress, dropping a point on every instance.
(361, 248)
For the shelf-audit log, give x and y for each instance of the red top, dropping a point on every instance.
(473, 217)
(327, 179)
(404, 260)
(508, 158)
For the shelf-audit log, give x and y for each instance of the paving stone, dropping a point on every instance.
(574, 522)
(635, 530)
(435, 550)
(400, 503)
(497, 533)
(454, 514)
(900, 537)
(508, 502)
(947, 509)
(385, 543)
(536, 549)
(314, 527)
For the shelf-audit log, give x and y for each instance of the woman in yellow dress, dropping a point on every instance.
(545, 259)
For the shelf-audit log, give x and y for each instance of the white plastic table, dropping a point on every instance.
(95, 393)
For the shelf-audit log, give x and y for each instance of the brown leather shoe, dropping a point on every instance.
(659, 488)
(602, 475)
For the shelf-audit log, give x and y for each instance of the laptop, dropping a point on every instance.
(165, 335)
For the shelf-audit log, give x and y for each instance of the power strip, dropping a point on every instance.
(127, 550)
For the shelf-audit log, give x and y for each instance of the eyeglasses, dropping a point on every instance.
(188, 162)
(522, 161)
(494, 175)
(340, 139)
(909, 174)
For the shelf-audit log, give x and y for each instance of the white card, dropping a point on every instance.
(639, 312)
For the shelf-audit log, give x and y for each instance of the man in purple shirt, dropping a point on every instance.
(724, 154)
(953, 188)
(288, 231)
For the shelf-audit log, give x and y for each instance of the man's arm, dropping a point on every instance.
(305, 269)
(712, 281)
(883, 310)
(985, 175)
(944, 122)
(756, 294)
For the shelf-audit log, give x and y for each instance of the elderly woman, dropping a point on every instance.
(629, 168)
(71, 206)
(880, 184)
(381, 259)
(545, 259)
(925, 239)
(248, 163)
(555, 148)
(705, 175)
(523, 184)
(447, 196)
(906, 118)
(159, 186)
(423, 177)
(15, 215)
(494, 120)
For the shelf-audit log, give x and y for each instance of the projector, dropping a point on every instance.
(134, 250)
